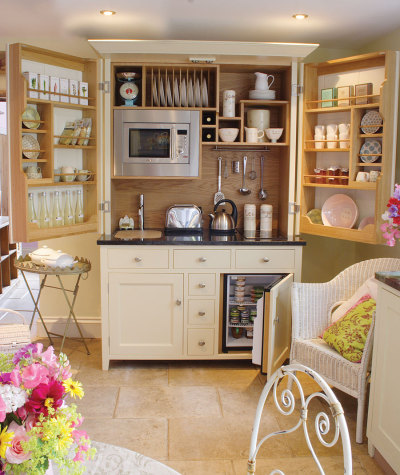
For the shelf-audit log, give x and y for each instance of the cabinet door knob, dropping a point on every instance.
(202, 313)
(203, 259)
(202, 343)
(266, 259)
(178, 302)
(138, 259)
(202, 285)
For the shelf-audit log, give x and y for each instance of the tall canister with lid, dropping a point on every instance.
(266, 221)
(249, 224)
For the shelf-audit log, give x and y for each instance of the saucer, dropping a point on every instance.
(269, 94)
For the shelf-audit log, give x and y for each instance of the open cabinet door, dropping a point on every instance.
(299, 143)
(277, 324)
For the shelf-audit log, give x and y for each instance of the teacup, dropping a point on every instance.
(373, 175)
(344, 129)
(34, 175)
(253, 134)
(320, 131)
(362, 176)
(84, 175)
(32, 169)
(317, 143)
(57, 172)
(331, 129)
(67, 174)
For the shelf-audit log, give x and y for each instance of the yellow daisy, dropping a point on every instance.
(74, 388)
(5, 441)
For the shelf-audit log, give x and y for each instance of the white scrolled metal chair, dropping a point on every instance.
(288, 404)
(311, 307)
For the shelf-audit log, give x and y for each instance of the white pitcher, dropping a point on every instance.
(262, 81)
(253, 134)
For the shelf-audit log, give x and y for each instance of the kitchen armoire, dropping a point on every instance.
(289, 167)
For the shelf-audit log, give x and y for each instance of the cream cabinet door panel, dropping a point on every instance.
(265, 259)
(201, 284)
(201, 312)
(202, 259)
(138, 258)
(146, 314)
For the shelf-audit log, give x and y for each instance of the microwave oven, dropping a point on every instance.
(156, 142)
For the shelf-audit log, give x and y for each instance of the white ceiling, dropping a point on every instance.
(332, 23)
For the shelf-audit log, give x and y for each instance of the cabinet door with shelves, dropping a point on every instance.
(43, 156)
(349, 148)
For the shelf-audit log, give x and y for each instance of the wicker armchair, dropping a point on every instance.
(311, 305)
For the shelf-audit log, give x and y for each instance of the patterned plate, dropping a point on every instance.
(315, 216)
(30, 143)
(370, 147)
(371, 122)
(30, 118)
(339, 210)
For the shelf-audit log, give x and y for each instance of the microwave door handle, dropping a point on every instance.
(173, 144)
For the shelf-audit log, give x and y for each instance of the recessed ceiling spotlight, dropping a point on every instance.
(300, 16)
(107, 12)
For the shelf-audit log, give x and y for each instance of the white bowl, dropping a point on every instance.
(274, 134)
(228, 135)
(269, 94)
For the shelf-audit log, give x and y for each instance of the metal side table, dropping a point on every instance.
(79, 269)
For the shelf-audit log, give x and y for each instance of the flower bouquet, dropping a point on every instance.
(36, 425)
(391, 229)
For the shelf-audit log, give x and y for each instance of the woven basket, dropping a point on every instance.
(13, 336)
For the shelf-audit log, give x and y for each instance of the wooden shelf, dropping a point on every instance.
(373, 164)
(86, 147)
(164, 108)
(229, 118)
(61, 105)
(32, 160)
(353, 185)
(39, 181)
(248, 144)
(37, 234)
(33, 131)
(66, 183)
(327, 150)
(370, 136)
(259, 102)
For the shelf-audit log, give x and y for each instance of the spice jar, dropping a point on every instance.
(344, 172)
(333, 171)
(236, 332)
(320, 175)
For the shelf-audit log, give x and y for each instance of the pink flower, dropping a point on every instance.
(35, 374)
(15, 453)
(66, 373)
(15, 377)
(3, 412)
(78, 457)
(21, 413)
(50, 359)
(30, 422)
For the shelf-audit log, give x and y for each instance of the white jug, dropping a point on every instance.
(262, 81)
(253, 134)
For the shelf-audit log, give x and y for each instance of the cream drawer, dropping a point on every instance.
(138, 258)
(200, 341)
(265, 259)
(201, 312)
(202, 259)
(201, 284)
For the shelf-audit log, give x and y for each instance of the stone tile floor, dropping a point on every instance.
(197, 416)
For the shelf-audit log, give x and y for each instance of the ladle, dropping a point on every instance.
(262, 194)
(244, 190)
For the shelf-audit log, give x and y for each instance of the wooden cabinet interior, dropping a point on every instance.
(160, 193)
(379, 69)
(52, 155)
(8, 251)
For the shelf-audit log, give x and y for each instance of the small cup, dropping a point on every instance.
(84, 175)
(362, 176)
(57, 171)
(373, 175)
(331, 129)
(344, 129)
(332, 143)
(320, 130)
(344, 143)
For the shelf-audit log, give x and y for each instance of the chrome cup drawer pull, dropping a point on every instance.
(201, 314)
(138, 259)
(178, 302)
(265, 259)
(202, 343)
(203, 259)
(202, 285)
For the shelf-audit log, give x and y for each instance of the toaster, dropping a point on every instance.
(180, 218)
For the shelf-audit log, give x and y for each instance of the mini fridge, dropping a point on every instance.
(257, 317)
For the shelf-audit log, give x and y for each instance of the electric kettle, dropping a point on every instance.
(221, 222)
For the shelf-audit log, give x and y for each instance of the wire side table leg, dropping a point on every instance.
(71, 312)
(36, 303)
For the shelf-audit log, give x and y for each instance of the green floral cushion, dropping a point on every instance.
(349, 334)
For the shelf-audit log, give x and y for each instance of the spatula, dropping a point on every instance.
(219, 195)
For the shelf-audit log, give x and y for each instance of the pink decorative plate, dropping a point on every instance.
(339, 210)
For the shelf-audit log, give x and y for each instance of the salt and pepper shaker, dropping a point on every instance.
(229, 103)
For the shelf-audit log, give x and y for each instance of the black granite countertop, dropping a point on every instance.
(205, 238)
(389, 278)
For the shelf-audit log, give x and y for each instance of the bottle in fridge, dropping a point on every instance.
(257, 317)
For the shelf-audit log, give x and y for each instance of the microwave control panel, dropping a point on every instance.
(182, 144)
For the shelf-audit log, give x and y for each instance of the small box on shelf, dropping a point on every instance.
(327, 95)
(208, 135)
(344, 94)
(363, 90)
(64, 90)
(33, 83)
(44, 86)
(73, 91)
(83, 93)
(54, 88)
(209, 118)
